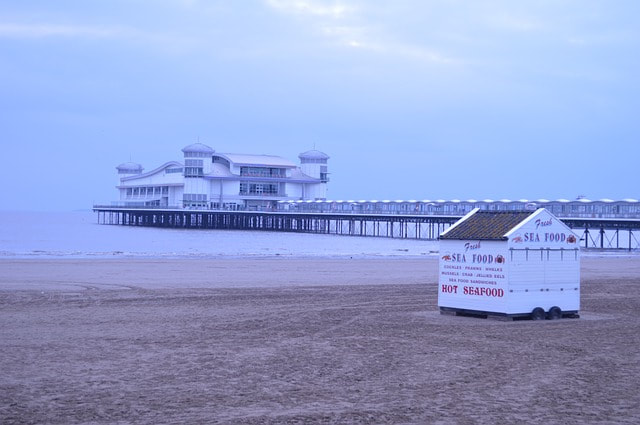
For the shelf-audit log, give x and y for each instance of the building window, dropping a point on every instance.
(194, 197)
(173, 170)
(262, 172)
(196, 155)
(193, 172)
(259, 189)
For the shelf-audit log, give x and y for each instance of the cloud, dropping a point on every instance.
(511, 22)
(357, 38)
(52, 30)
(336, 10)
(12, 30)
(163, 41)
(347, 26)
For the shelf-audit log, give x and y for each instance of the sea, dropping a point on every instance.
(77, 234)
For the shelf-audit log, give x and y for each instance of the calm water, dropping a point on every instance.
(77, 235)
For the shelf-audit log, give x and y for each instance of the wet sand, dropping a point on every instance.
(279, 340)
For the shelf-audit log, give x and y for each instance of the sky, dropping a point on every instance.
(411, 99)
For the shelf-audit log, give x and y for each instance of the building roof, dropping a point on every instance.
(152, 172)
(486, 225)
(257, 160)
(130, 166)
(299, 177)
(313, 154)
(219, 170)
(198, 147)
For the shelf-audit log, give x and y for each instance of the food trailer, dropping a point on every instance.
(513, 264)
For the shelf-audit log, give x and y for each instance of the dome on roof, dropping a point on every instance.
(313, 154)
(129, 167)
(198, 147)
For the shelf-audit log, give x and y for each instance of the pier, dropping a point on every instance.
(597, 233)
(376, 225)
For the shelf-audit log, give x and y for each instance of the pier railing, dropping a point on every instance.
(284, 208)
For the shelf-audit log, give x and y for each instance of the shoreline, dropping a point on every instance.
(246, 272)
(259, 272)
(400, 254)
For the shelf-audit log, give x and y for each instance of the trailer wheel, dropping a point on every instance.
(555, 313)
(537, 314)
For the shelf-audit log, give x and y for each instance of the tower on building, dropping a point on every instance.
(128, 169)
(313, 163)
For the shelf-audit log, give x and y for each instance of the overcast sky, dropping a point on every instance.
(411, 99)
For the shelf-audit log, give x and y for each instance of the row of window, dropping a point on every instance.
(194, 168)
(147, 191)
(196, 155)
(245, 189)
(193, 172)
(193, 162)
(262, 172)
(194, 197)
(259, 189)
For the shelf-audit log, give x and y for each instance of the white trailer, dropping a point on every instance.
(513, 264)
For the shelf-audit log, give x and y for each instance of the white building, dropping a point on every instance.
(207, 179)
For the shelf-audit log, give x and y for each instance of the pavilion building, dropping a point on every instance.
(209, 179)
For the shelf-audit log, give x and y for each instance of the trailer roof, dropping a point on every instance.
(486, 225)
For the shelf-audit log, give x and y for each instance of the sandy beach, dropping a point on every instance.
(307, 340)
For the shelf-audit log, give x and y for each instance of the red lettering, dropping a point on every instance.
(482, 258)
(483, 292)
(554, 237)
(450, 289)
